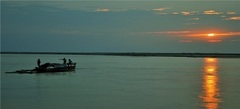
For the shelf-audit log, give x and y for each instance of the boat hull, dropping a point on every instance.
(49, 68)
(53, 67)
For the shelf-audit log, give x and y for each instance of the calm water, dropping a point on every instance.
(114, 82)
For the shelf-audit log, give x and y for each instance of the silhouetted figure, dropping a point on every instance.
(38, 62)
(64, 60)
(69, 62)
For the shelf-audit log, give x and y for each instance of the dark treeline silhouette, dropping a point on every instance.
(217, 55)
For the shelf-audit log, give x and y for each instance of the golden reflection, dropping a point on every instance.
(210, 94)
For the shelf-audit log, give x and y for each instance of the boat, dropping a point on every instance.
(51, 68)
(55, 67)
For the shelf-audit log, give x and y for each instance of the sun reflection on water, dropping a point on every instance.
(210, 95)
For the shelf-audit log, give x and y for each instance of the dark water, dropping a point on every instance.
(114, 82)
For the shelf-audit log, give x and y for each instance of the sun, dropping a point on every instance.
(211, 34)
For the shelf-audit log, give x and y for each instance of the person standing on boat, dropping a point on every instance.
(38, 62)
(69, 62)
(64, 60)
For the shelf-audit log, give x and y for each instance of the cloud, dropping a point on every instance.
(188, 36)
(206, 12)
(103, 10)
(233, 18)
(215, 41)
(160, 9)
(169, 32)
(231, 12)
(194, 18)
(217, 34)
(186, 41)
(235, 40)
(212, 12)
(229, 34)
(175, 13)
(186, 13)
(162, 13)
(193, 23)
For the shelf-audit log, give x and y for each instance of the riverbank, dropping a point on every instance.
(214, 55)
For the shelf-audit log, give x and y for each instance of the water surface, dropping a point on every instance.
(122, 82)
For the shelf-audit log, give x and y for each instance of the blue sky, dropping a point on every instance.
(122, 26)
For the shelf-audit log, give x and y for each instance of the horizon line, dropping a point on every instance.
(149, 54)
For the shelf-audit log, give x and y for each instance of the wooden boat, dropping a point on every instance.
(56, 67)
(51, 67)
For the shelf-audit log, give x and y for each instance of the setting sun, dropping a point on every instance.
(211, 34)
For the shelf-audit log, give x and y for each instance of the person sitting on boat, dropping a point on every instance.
(39, 62)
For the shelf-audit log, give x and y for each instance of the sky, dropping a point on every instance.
(121, 26)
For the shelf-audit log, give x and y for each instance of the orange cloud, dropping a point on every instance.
(103, 10)
(175, 13)
(215, 41)
(169, 32)
(194, 33)
(229, 34)
(189, 12)
(211, 12)
(233, 18)
(186, 13)
(201, 35)
(186, 41)
(231, 12)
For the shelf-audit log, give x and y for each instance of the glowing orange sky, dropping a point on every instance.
(211, 36)
(156, 26)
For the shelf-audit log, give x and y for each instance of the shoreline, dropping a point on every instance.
(143, 54)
